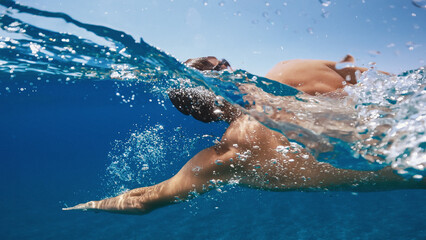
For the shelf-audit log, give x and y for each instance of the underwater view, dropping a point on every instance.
(97, 98)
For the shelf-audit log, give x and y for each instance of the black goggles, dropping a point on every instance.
(221, 64)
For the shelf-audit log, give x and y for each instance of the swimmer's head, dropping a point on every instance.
(203, 105)
(208, 63)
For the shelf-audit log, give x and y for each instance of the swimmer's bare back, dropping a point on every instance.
(250, 155)
(315, 76)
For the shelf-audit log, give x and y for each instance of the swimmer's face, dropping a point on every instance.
(208, 63)
(219, 64)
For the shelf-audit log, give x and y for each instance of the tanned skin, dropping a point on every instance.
(252, 155)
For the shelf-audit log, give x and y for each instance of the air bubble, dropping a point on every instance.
(282, 149)
(218, 162)
(418, 177)
(196, 170)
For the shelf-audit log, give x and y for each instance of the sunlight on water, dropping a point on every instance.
(382, 119)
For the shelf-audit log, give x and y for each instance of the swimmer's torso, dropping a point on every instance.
(311, 76)
(264, 157)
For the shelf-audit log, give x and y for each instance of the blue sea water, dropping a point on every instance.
(86, 118)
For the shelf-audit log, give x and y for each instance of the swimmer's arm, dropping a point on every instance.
(328, 177)
(193, 179)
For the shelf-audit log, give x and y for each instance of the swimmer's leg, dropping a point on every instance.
(193, 179)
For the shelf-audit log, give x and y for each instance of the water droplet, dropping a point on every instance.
(419, 3)
(325, 14)
(267, 4)
(310, 30)
(374, 53)
(221, 4)
(265, 14)
(411, 45)
(325, 3)
(205, 3)
(278, 12)
(268, 110)
(282, 149)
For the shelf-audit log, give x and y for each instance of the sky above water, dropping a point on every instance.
(255, 34)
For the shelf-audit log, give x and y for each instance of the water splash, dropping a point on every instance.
(419, 3)
(391, 119)
(380, 120)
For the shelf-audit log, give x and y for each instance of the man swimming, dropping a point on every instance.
(249, 153)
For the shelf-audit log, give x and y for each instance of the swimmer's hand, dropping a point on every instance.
(83, 206)
(136, 201)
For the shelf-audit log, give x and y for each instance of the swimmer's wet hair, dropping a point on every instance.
(197, 102)
(203, 105)
(201, 63)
